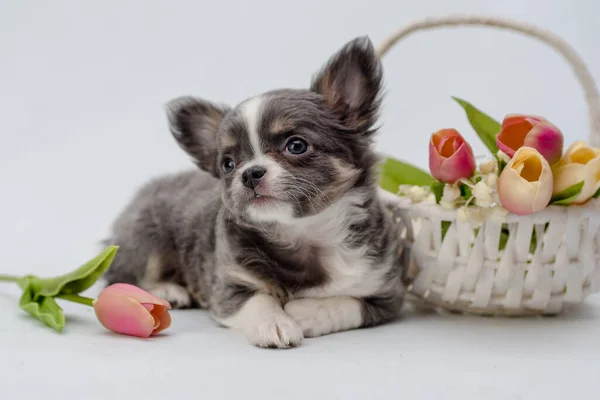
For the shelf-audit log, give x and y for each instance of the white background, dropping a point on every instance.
(82, 86)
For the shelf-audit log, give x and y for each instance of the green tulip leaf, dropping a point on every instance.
(501, 165)
(79, 280)
(389, 184)
(503, 239)
(43, 308)
(445, 227)
(395, 173)
(533, 242)
(484, 125)
(437, 188)
(29, 280)
(38, 294)
(597, 194)
(567, 196)
(465, 191)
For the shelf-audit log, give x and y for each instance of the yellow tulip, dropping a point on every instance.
(525, 184)
(580, 163)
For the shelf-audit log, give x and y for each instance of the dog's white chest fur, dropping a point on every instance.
(349, 269)
(350, 273)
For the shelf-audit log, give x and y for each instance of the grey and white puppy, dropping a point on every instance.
(281, 233)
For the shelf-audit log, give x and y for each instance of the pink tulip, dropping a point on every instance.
(129, 310)
(450, 157)
(530, 131)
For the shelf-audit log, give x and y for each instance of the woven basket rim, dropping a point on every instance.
(428, 209)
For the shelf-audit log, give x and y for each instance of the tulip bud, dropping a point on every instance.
(450, 157)
(129, 310)
(529, 131)
(581, 163)
(525, 185)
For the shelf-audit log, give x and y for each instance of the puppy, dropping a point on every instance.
(281, 233)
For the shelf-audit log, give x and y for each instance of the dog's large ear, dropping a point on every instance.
(194, 123)
(351, 84)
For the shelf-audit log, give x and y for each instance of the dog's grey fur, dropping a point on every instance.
(320, 255)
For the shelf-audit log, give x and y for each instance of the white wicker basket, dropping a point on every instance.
(465, 271)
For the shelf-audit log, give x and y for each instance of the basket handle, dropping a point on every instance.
(577, 64)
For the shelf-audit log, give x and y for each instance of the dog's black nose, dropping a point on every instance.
(252, 176)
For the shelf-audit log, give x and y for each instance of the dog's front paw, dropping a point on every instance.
(321, 316)
(275, 331)
(310, 316)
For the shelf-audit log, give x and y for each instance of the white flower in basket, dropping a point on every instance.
(518, 232)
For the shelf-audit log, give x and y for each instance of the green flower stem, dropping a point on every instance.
(77, 299)
(9, 278)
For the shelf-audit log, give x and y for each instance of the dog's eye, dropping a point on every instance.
(228, 165)
(296, 146)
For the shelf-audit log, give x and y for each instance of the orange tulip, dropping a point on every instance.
(129, 310)
(529, 131)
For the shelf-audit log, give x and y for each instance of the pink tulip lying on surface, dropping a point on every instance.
(529, 131)
(129, 310)
(525, 185)
(450, 157)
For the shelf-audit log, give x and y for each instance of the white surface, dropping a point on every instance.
(81, 122)
(420, 357)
